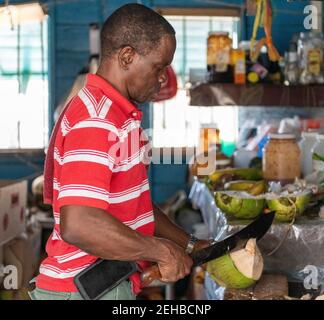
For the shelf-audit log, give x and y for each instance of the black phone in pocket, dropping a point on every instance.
(102, 276)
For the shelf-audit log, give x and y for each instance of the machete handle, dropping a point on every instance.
(149, 275)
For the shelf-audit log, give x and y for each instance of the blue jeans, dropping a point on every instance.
(121, 292)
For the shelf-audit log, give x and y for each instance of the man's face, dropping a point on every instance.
(148, 72)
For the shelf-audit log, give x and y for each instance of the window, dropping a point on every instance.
(24, 85)
(175, 123)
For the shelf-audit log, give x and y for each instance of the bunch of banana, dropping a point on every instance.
(254, 188)
(219, 178)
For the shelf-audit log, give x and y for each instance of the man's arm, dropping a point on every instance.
(166, 229)
(100, 234)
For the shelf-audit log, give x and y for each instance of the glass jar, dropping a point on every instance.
(312, 59)
(204, 164)
(209, 137)
(318, 154)
(307, 144)
(281, 159)
(219, 46)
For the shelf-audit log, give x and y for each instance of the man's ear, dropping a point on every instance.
(125, 57)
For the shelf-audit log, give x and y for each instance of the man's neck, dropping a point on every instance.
(115, 81)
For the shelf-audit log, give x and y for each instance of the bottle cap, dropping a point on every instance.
(209, 126)
(218, 33)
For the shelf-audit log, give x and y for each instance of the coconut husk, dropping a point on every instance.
(239, 269)
(249, 261)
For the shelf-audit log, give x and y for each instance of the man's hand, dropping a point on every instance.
(175, 264)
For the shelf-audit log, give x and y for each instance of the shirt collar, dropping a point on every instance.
(125, 105)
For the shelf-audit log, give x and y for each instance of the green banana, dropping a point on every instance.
(240, 185)
(259, 187)
(242, 174)
(218, 178)
(252, 187)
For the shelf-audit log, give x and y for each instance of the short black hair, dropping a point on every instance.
(133, 25)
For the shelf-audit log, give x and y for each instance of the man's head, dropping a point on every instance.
(138, 44)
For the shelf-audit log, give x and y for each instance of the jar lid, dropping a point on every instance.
(281, 136)
(218, 33)
(209, 126)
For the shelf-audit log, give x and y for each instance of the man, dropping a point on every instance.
(101, 198)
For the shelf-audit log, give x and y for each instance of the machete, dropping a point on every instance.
(256, 229)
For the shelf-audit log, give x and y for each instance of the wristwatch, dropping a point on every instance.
(191, 244)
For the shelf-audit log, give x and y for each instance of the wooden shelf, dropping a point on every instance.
(267, 95)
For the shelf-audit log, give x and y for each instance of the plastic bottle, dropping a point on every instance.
(302, 40)
(318, 154)
(238, 61)
(307, 143)
(292, 67)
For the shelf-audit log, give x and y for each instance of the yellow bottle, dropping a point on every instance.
(238, 61)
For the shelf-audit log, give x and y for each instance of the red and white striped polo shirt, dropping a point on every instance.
(101, 158)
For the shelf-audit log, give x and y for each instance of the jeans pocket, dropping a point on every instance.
(40, 294)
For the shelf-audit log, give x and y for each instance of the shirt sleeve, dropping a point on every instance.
(90, 153)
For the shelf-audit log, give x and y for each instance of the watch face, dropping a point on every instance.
(191, 244)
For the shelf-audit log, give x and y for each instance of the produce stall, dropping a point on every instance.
(295, 251)
(229, 190)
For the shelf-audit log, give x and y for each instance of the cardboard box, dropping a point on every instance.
(24, 253)
(1, 255)
(1, 265)
(13, 203)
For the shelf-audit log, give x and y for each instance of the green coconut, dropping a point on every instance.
(238, 269)
(287, 208)
(239, 205)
